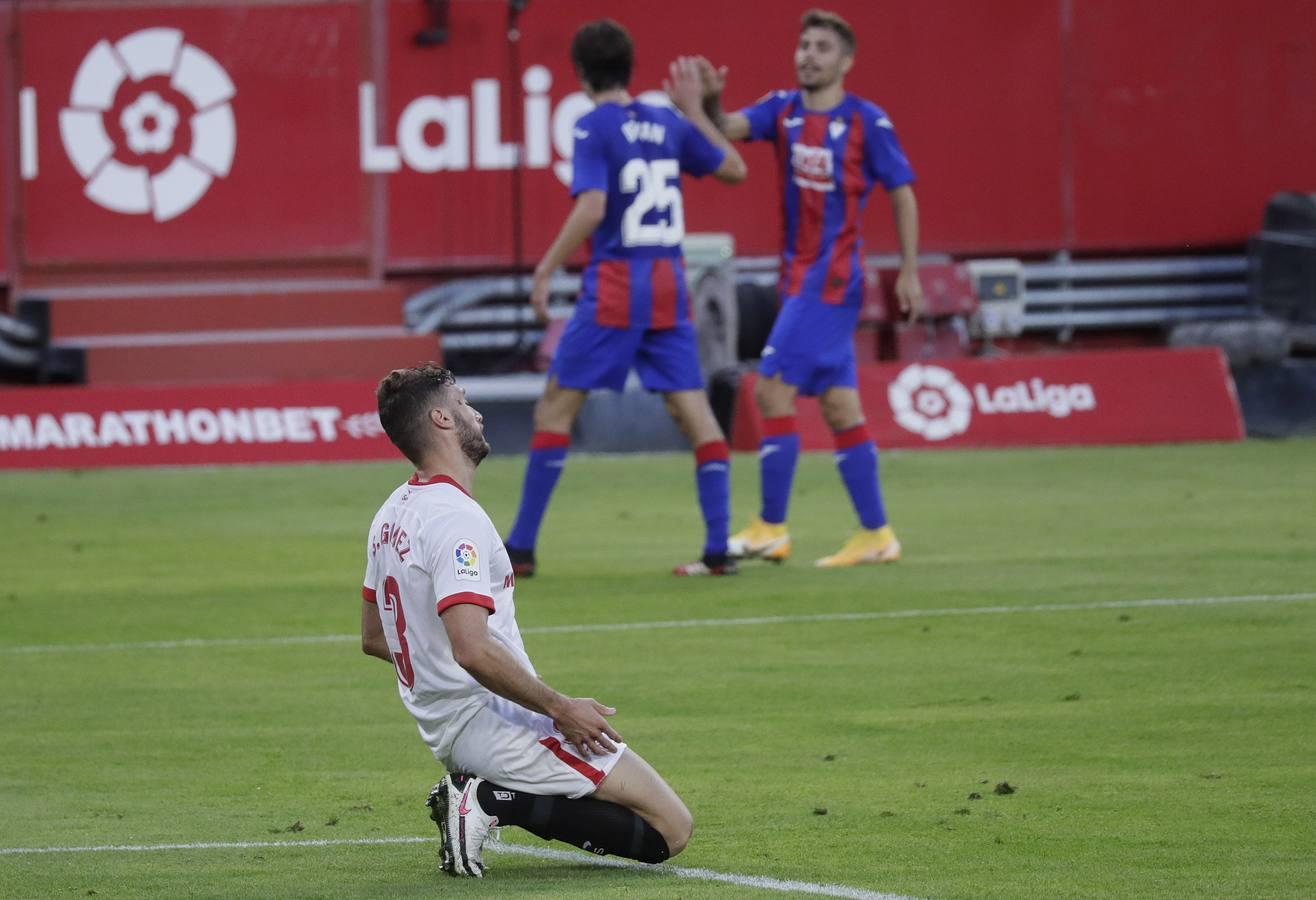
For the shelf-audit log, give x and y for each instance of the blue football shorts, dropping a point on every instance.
(812, 346)
(593, 356)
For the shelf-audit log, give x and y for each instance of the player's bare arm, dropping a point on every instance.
(909, 290)
(373, 642)
(584, 217)
(685, 86)
(580, 719)
(735, 126)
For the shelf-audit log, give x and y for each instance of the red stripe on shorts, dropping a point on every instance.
(575, 762)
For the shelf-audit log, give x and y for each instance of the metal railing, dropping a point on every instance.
(1064, 295)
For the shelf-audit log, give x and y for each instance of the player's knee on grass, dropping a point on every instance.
(677, 832)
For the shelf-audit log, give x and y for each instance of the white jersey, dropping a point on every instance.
(432, 547)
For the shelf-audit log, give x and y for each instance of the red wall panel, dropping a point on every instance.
(985, 182)
(1033, 125)
(293, 189)
(1187, 115)
(8, 139)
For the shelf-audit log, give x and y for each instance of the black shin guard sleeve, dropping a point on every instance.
(606, 828)
(594, 825)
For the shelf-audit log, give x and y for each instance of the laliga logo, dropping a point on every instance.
(155, 93)
(930, 401)
(927, 400)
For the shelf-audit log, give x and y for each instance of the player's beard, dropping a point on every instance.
(472, 442)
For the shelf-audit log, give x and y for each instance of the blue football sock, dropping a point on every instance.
(713, 479)
(778, 452)
(548, 453)
(856, 458)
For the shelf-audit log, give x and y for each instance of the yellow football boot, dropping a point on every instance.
(761, 540)
(876, 545)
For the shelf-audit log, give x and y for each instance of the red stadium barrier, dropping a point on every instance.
(1128, 397)
(318, 136)
(1125, 397)
(93, 427)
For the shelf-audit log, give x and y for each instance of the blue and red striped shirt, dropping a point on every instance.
(829, 161)
(636, 154)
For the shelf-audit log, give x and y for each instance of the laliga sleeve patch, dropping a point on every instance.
(467, 560)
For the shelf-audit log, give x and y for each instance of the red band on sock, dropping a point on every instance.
(712, 451)
(780, 425)
(852, 437)
(549, 440)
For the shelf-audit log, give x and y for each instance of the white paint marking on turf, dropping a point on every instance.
(869, 615)
(210, 845)
(754, 881)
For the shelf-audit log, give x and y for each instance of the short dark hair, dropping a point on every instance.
(602, 52)
(405, 397)
(822, 18)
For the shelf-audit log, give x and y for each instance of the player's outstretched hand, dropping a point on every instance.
(539, 297)
(684, 85)
(583, 724)
(909, 293)
(713, 78)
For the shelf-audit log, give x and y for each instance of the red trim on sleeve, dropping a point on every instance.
(574, 761)
(368, 594)
(417, 481)
(613, 294)
(663, 285)
(549, 440)
(852, 437)
(482, 600)
(779, 426)
(711, 451)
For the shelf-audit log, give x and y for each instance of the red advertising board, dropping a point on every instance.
(8, 139)
(174, 136)
(91, 427)
(193, 133)
(458, 213)
(1127, 397)
(1124, 397)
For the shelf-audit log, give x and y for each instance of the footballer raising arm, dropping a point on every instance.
(821, 63)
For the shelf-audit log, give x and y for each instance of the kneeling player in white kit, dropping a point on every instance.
(437, 604)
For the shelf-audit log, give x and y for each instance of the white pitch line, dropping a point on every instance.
(754, 881)
(870, 615)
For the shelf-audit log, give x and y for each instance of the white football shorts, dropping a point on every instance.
(521, 750)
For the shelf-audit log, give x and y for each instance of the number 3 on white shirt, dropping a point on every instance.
(650, 181)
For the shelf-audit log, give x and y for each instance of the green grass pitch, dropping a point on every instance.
(1156, 751)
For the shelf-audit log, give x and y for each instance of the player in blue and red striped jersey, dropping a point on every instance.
(832, 148)
(634, 308)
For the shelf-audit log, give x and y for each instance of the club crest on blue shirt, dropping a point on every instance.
(467, 559)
